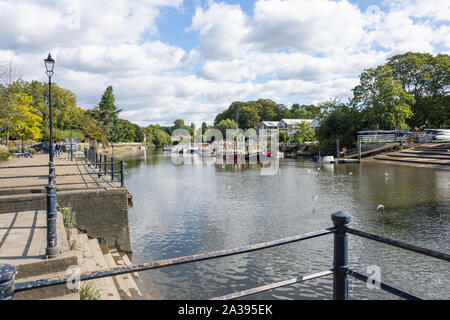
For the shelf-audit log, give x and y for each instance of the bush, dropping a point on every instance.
(89, 291)
(13, 150)
(4, 156)
(69, 217)
(32, 151)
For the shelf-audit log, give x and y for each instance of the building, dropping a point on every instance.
(268, 125)
(291, 126)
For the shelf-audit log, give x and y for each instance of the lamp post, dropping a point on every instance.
(52, 249)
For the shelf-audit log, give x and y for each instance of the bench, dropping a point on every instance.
(19, 155)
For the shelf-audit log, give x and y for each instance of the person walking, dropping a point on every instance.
(58, 149)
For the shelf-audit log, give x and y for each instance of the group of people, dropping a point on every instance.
(58, 147)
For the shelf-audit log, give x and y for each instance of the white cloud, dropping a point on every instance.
(313, 49)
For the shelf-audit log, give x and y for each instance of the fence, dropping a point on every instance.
(105, 165)
(102, 163)
(340, 267)
(401, 136)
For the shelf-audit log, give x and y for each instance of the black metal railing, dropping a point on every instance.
(104, 166)
(100, 162)
(340, 269)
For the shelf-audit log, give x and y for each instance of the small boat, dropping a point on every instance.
(328, 159)
(166, 149)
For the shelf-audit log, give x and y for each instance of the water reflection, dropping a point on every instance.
(187, 209)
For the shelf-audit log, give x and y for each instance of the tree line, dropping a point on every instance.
(409, 91)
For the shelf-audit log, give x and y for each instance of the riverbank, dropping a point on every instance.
(433, 156)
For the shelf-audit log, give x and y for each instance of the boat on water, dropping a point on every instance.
(166, 149)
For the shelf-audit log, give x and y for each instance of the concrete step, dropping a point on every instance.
(418, 156)
(125, 283)
(414, 160)
(59, 292)
(88, 263)
(109, 288)
(131, 278)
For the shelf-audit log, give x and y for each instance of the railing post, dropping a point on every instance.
(7, 274)
(96, 161)
(99, 165)
(112, 168)
(122, 178)
(340, 259)
(105, 164)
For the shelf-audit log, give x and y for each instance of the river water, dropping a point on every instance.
(186, 209)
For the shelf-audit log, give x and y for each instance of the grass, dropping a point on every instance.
(4, 156)
(69, 217)
(89, 291)
(75, 246)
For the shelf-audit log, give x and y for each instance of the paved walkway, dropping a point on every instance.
(81, 177)
(23, 236)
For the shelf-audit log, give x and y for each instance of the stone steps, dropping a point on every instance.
(131, 289)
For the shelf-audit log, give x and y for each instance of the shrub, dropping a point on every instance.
(32, 151)
(13, 150)
(69, 217)
(89, 291)
(4, 156)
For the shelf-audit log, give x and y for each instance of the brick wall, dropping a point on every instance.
(103, 214)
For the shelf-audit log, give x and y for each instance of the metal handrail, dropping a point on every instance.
(172, 262)
(340, 269)
(383, 286)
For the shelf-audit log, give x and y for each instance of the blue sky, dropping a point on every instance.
(169, 59)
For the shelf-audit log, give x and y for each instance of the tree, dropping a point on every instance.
(204, 127)
(283, 136)
(382, 99)
(304, 133)
(427, 78)
(343, 123)
(224, 125)
(22, 119)
(106, 114)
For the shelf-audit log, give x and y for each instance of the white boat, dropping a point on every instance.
(328, 159)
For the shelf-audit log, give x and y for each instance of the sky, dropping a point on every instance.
(190, 59)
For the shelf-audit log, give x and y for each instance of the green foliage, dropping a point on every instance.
(224, 125)
(304, 133)
(4, 156)
(69, 216)
(283, 136)
(383, 101)
(427, 78)
(89, 291)
(157, 136)
(343, 123)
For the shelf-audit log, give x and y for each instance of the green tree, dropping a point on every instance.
(224, 125)
(382, 99)
(427, 78)
(283, 136)
(343, 123)
(304, 133)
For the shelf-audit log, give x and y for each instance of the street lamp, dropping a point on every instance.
(52, 249)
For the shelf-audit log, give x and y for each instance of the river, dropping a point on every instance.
(186, 209)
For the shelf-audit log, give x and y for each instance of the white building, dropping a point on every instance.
(291, 126)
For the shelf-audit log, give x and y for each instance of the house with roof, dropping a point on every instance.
(291, 126)
(268, 125)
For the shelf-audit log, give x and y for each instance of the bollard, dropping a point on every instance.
(112, 168)
(122, 178)
(100, 166)
(52, 242)
(7, 274)
(105, 163)
(340, 259)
